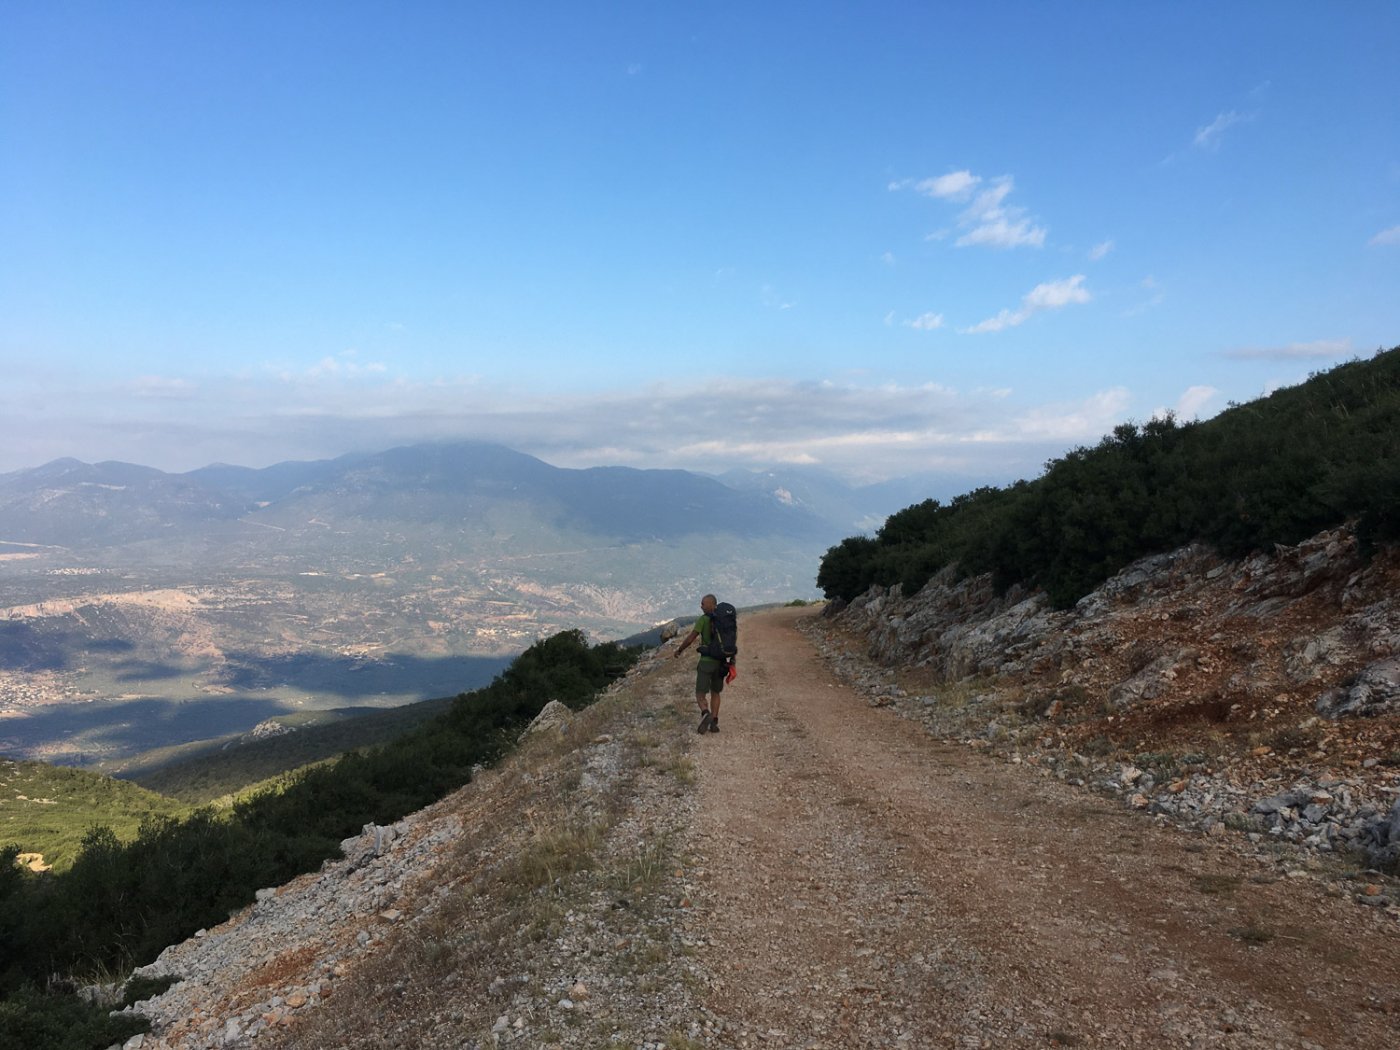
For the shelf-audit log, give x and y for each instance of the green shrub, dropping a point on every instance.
(121, 903)
(31, 1019)
(1275, 470)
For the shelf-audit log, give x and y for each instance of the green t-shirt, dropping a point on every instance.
(705, 629)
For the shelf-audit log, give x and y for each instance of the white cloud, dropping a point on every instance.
(1321, 349)
(956, 185)
(1189, 405)
(853, 428)
(1054, 294)
(1195, 398)
(926, 322)
(1005, 319)
(1051, 295)
(987, 221)
(1100, 250)
(888, 258)
(1390, 236)
(1003, 232)
(1209, 137)
(344, 365)
(991, 222)
(1077, 421)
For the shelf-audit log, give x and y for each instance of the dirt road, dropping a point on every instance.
(868, 886)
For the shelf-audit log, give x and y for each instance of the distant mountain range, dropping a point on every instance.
(68, 503)
(141, 609)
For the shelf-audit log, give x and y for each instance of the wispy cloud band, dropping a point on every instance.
(1052, 295)
(926, 322)
(986, 220)
(861, 431)
(1390, 236)
(1210, 135)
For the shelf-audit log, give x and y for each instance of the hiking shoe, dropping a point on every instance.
(714, 725)
(705, 722)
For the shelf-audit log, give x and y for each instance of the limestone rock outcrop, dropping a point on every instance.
(1239, 678)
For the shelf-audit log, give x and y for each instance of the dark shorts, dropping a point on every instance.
(710, 681)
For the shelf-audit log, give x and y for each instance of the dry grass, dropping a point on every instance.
(534, 847)
(1253, 934)
(644, 871)
(550, 856)
(957, 695)
(1217, 885)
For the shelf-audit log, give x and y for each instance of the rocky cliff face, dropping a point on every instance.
(1261, 695)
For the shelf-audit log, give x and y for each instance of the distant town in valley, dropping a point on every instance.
(144, 610)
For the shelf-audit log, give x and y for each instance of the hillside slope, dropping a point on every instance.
(211, 770)
(819, 873)
(1260, 693)
(1276, 470)
(47, 810)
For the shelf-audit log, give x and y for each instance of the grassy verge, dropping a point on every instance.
(566, 881)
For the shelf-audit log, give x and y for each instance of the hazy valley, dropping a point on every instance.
(141, 610)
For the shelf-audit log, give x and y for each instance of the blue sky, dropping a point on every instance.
(880, 238)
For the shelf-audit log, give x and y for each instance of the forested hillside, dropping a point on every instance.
(1274, 470)
(120, 903)
(48, 809)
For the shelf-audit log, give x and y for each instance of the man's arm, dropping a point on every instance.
(686, 644)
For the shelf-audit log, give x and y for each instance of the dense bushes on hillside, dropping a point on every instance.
(121, 904)
(1275, 470)
(50, 808)
(217, 773)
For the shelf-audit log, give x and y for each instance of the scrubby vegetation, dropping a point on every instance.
(48, 809)
(1275, 470)
(122, 902)
(224, 770)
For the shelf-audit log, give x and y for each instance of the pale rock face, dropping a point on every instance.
(1267, 652)
(1375, 691)
(961, 628)
(554, 717)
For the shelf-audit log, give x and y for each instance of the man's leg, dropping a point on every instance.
(701, 688)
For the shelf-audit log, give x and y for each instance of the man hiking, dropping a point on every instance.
(710, 671)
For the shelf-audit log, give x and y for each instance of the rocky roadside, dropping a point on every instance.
(546, 904)
(1252, 700)
(1308, 825)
